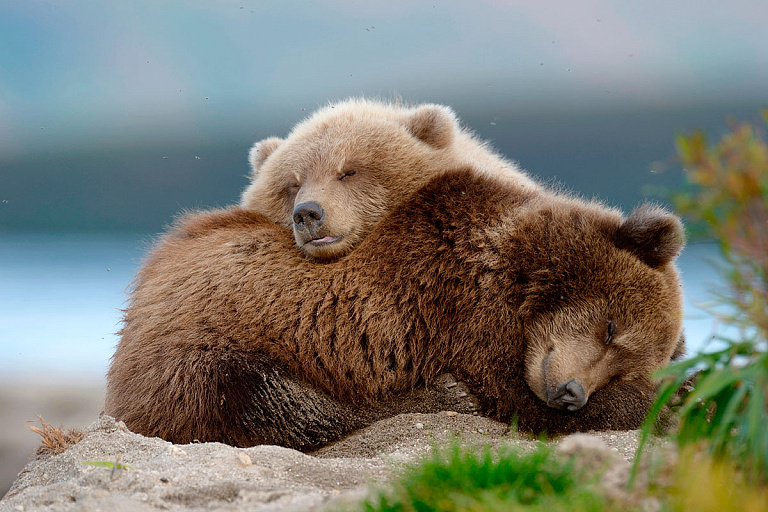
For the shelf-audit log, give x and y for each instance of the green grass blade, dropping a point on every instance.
(707, 388)
(729, 417)
(105, 464)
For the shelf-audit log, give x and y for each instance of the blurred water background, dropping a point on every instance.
(115, 116)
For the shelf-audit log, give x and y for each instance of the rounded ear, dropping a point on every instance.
(653, 234)
(433, 124)
(260, 151)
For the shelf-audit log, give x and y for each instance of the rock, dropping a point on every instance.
(214, 476)
(609, 455)
(175, 450)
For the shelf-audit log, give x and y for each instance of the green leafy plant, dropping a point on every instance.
(464, 479)
(727, 199)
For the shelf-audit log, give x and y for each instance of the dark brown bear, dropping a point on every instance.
(551, 309)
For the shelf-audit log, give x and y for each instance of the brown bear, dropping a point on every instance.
(551, 309)
(339, 172)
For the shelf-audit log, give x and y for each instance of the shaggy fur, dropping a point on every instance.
(356, 160)
(233, 335)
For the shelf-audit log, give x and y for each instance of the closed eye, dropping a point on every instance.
(610, 332)
(293, 189)
(347, 174)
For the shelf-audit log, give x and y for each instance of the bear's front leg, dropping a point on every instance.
(192, 385)
(620, 405)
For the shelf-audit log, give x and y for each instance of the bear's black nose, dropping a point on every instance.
(569, 396)
(308, 216)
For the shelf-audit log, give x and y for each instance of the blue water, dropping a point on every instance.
(60, 301)
(61, 295)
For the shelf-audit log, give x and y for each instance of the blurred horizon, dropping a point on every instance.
(622, 159)
(81, 71)
(114, 117)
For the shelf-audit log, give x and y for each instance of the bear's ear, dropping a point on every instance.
(433, 124)
(260, 151)
(653, 234)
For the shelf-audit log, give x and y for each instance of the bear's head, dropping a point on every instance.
(606, 307)
(339, 172)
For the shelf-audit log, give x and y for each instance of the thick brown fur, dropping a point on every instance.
(356, 160)
(233, 335)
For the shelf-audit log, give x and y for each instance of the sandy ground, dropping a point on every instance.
(213, 476)
(59, 401)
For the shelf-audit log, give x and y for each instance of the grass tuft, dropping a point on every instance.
(707, 484)
(55, 440)
(457, 479)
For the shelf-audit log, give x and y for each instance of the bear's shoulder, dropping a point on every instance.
(193, 224)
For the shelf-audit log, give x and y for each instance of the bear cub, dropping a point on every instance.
(341, 170)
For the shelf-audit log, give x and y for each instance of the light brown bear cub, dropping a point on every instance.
(339, 172)
(552, 310)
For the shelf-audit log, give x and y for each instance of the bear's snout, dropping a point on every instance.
(308, 216)
(570, 396)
